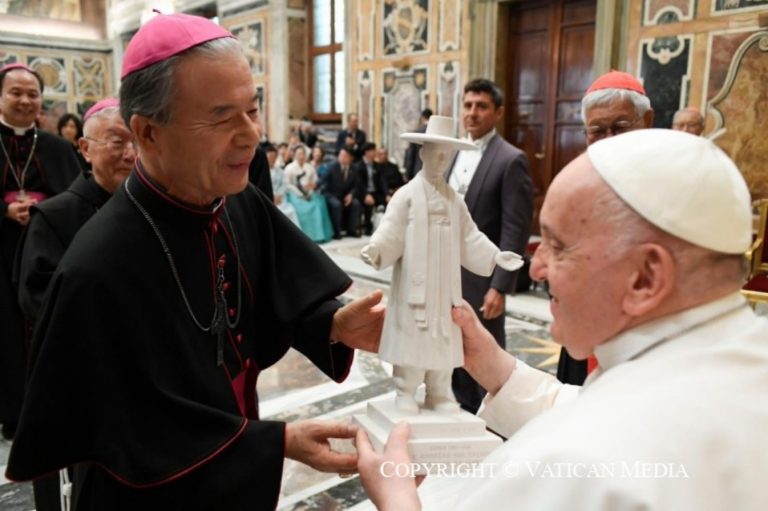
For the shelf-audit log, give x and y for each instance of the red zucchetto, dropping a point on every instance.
(617, 80)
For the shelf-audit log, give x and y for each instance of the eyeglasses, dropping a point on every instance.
(594, 133)
(114, 144)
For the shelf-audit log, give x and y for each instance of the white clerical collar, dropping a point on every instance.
(633, 343)
(16, 130)
(483, 141)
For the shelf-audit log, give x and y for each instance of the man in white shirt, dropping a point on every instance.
(497, 188)
(642, 242)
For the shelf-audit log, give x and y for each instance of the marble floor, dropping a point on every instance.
(293, 389)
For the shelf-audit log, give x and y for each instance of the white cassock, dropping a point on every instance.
(669, 421)
(427, 234)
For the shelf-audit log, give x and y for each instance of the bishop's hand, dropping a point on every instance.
(307, 441)
(359, 323)
(508, 260)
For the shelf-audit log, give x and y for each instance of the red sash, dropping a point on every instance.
(11, 197)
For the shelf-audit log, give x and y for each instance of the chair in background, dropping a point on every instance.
(756, 287)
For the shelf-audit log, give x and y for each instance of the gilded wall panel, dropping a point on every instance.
(731, 6)
(658, 11)
(53, 71)
(366, 29)
(298, 93)
(716, 61)
(251, 27)
(405, 26)
(448, 90)
(741, 107)
(404, 96)
(88, 76)
(449, 27)
(665, 66)
(251, 37)
(420, 51)
(365, 81)
(74, 79)
(722, 48)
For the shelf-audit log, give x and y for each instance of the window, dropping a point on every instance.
(326, 59)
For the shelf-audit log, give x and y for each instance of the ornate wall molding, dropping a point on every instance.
(758, 40)
(726, 7)
(404, 96)
(251, 37)
(660, 12)
(448, 88)
(366, 30)
(365, 81)
(449, 27)
(405, 27)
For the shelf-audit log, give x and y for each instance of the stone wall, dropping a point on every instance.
(711, 54)
(404, 56)
(64, 41)
(74, 77)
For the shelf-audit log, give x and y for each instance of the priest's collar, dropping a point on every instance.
(16, 130)
(635, 342)
(158, 202)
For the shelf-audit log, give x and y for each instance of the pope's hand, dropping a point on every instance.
(487, 362)
(509, 261)
(370, 254)
(387, 488)
(307, 441)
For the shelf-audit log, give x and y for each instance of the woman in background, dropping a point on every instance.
(309, 203)
(318, 161)
(70, 127)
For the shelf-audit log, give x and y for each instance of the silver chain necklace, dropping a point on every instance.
(20, 180)
(220, 320)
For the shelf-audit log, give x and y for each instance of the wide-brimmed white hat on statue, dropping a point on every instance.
(440, 130)
(681, 183)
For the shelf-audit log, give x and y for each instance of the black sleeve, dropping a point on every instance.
(39, 255)
(245, 475)
(340, 140)
(312, 338)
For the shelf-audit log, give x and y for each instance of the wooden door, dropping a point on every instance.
(551, 45)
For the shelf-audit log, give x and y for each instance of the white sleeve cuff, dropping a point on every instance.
(526, 394)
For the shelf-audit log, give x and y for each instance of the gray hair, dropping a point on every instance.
(699, 116)
(89, 126)
(603, 97)
(698, 268)
(149, 91)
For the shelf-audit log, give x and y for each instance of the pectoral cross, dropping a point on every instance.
(219, 322)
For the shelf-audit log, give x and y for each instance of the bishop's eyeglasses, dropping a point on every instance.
(114, 144)
(595, 133)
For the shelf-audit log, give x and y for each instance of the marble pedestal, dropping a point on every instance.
(435, 438)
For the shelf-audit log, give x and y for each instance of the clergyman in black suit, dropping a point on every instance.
(340, 187)
(389, 175)
(352, 136)
(497, 188)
